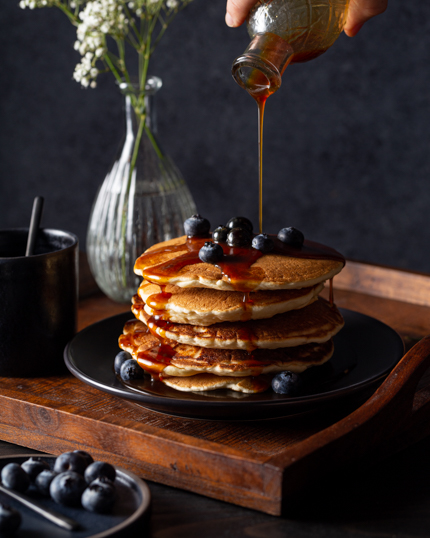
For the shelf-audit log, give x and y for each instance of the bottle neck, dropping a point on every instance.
(259, 69)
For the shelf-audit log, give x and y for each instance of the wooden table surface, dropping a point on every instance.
(387, 499)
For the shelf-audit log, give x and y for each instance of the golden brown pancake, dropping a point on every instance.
(176, 262)
(317, 322)
(181, 360)
(206, 306)
(206, 382)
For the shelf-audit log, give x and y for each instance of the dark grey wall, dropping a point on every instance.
(346, 154)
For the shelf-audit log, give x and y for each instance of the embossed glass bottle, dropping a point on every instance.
(283, 32)
(143, 200)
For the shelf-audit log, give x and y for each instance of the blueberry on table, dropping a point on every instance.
(34, 466)
(287, 383)
(263, 243)
(99, 469)
(43, 481)
(10, 520)
(196, 225)
(239, 237)
(70, 461)
(219, 235)
(131, 370)
(291, 236)
(67, 488)
(211, 252)
(14, 477)
(120, 359)
(98, 497)
(240, 222)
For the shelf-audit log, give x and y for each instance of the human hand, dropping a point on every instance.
(359, 12)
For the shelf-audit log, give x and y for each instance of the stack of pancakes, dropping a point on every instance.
(235, 324)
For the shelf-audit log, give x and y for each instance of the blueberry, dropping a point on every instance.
(263, 243)
(120, 359)
(70, 461)
(34, 466)
(239, 237)
(240, 222)
(196, 225)
(66, 488)
(98, 497)
(43, 481)
(10, 520)
(14, 477)
(291, 236)
(211, 252)
(99, 469)
(287, 383)
(131, 370)
(87, 457)
(219, 235)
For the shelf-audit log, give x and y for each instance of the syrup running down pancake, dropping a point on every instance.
(317, 322)
(238, 321)
(242, 269)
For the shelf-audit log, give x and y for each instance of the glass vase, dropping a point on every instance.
(143, 199)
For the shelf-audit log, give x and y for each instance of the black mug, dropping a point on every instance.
(38, 301)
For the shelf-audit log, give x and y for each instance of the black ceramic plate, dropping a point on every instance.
(365, 352)
(128, 515)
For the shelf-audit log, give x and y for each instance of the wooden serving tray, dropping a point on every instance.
(259, 465)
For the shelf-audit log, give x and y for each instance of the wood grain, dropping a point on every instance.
(253, 464)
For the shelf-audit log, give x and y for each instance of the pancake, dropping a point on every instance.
(181, 360)
(205, 306)
(315, 323)
(241, 269)
(206, 382)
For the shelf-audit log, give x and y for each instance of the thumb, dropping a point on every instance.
(237, 11)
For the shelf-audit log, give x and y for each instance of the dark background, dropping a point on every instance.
(346, 154)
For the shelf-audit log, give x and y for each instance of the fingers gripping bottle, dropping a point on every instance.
(282, 32)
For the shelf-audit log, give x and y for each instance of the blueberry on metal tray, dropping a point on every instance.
(291, 236)
(98, 497)
(43, 481)
(34, 466)
(263, 243)
(287, 383)
(240, 222)
(87, 457)
(239, 237)
(99, 469)
(14, 477)
(120, 359)
(196, 225)
(67, 488)
(131, 370)
(211, 252)
(70, 461)
(10, 520)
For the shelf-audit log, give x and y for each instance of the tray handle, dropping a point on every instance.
(369, 428)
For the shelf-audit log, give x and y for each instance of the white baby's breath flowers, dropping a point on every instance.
(124, 22)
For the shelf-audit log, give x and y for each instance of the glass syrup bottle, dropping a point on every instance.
(283, 32)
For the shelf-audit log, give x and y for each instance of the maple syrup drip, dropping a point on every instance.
(259, 383)
(260, 103)
(247, 304)
(331, 295)
(158, 302)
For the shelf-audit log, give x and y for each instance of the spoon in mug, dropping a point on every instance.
(36, 215)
